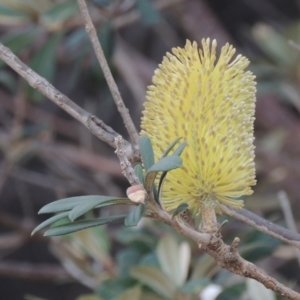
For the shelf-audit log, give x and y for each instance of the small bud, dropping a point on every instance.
(136, 193)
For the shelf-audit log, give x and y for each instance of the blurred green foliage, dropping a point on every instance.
(47, 31)
(168, 268)
(278, 70)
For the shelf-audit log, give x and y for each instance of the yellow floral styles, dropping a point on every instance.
(210, 103)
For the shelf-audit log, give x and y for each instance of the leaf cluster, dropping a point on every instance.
(69, 210)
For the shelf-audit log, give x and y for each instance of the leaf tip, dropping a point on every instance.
(180, 208)
(41, 211)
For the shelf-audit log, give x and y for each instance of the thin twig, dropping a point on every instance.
(265, 226)
(92, 33)
(288, 215)
(125, 164)
(38, 115)
(11, 241)
(28, 271)
(95, 126)
(287, 210)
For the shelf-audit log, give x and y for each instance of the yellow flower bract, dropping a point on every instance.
(210, 103)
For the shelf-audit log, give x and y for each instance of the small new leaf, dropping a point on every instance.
(178, 152)
(135, 215)
(167, 151)
(138, 171)
(166, 164)
(146, 151)
(180, 208)
(180, 149)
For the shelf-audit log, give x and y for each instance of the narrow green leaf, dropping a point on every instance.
(135, 215)
(76, 226)
(70, 203)
(161, 183)
(180, 149)
(149, 181)
(19, 40)
(180, 208)
(274, 44)
(165, 164)
(155, 279)
(146, 152)
(178, 152)
(60, 12)
(75, 41)
(83, 208)
(155, 194)
(107, 39)
(148, 12)
(49, 222)
(139, 173)
(138, 170)
(43, 61)
(171, 147)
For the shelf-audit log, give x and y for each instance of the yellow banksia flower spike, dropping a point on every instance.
(210, 103)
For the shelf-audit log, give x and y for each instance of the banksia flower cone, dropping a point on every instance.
(210, 103)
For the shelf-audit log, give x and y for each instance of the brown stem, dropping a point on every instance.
(125, 164)
(226, 256)
(208, 215)
(229, 258)
(92, 33)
